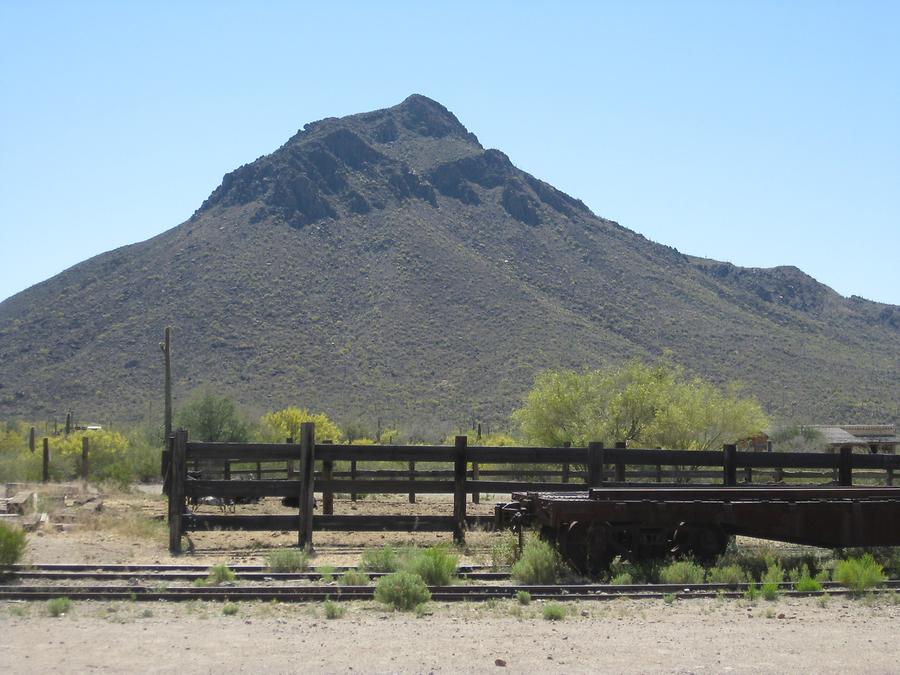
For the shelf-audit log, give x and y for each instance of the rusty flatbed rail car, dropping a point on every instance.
(592, 527)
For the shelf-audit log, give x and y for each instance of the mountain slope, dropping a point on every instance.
(385, 264)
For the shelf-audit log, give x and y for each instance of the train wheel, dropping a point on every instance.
(705, 543)
(587, 547)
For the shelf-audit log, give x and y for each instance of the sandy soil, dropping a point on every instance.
(647, 636)
(695, 636)
(131, 529)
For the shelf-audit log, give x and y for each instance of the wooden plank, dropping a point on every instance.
(386, 453)
(845, 466)
(729, 465)
(595, 457)
(45, 462)
(353, 477)
(85, 459)
(504, 486)
(459, 491)
(640, 457)
(525, 455)
(388, 487)
(476, 497)
(307, 483)
(244, 452)
(412, 493)
(177, 473)
(350, 523)
(327, 493)
(786, 460)
(242, 488)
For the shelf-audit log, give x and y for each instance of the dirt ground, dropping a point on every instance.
(622, 636)
(641, 636)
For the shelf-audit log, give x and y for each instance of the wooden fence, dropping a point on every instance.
(594, 466)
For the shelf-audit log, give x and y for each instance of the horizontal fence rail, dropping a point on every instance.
(296, 471)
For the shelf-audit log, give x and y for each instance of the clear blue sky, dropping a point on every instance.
(759, 133)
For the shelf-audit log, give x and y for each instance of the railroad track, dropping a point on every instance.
(460, 592)
(191, 572)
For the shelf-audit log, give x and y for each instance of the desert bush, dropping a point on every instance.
(354, 578)
(622, 579)
(752, 592)
(669, 598)
(727, 574)
(771, 580)
(383, 559)
(333, 610)
(288, 560)
(539, 563)
(219, 574)
(326, 573)
(435, 565)
(59, 606)
(682, 572)
(12, 545)
(229, 609)
(523, 597)
(402, 590)
(554, 611)
(859, 574)
(505, 550)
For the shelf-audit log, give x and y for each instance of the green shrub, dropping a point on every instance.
(727, 574)
(230, 609)
(524, 597)
(554, 611)
(333, 610)
(539, 563)
(752, 592)
(59, 606)
(505, 551)
(771, 581)
(380, 560)
(859, 574)
(12, 545)
(435, 565)
(622, 579)
(669, 598)
(219, 574)
(807, 585)
(354, 578)
(682, 572)
(803, 581)
(289, 560)
(326, 573)
(402, 590)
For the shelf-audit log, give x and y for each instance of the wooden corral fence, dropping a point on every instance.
(309, 467)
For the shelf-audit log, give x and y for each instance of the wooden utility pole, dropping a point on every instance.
(166, 347)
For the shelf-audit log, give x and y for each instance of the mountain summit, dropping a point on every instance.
(386, 265)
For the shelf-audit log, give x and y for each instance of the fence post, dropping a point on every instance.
(31, 439)
(327, 493)
(165, 464)
(85, 461)
(476, 497)
(620, 466)
(167, 391)
(45, 465)
(176, 489)
(353, 477)
(459, 491)
(729, 461)
(412, 470)
(307, 483)
(68, 423)
(889, 477)
(595, 464)
(845, 466)
(565, 466)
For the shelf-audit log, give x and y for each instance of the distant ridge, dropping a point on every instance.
(386, 265)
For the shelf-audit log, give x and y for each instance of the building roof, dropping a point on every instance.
(857, 434)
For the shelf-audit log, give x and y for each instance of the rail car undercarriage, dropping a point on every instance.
(590, 528)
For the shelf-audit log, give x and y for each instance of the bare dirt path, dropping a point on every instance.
(697, 636)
